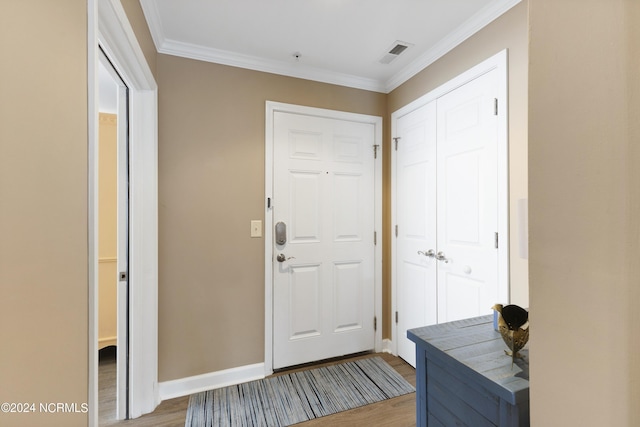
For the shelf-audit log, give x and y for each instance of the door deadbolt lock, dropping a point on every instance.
(281, 233)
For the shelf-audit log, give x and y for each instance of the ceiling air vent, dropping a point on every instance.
(394, 51)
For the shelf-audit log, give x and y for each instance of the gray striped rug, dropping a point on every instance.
(300, 396)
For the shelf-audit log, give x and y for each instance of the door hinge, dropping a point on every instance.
(375, 238)
(375, 151)
(396, 317)
(496, 240)
(268, 202)
(396, 141)
(495, 106)
(375, 323)
(396, 230)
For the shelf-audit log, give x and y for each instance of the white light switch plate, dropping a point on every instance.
(256, 228)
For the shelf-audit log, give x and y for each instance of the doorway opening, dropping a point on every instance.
(109, 31)
(113, 243)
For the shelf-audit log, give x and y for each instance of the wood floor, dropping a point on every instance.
(399, 411)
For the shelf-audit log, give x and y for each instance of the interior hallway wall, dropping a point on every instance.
(211, 185)
(583, 212)
(43, 209)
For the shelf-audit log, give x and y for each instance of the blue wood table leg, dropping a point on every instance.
(421, 387)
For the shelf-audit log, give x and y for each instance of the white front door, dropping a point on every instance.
(446, 209)
(323, 205)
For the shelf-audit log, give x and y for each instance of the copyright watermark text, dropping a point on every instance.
(48, 407)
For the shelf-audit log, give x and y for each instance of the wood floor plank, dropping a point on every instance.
(396, 412)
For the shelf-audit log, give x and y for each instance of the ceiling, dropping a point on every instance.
(333, 41)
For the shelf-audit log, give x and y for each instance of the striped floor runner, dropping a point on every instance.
(301, 396)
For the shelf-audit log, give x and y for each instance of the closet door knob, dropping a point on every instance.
(441, 257)
(430, 253)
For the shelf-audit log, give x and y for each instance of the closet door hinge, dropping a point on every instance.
(396, 317)
(375, 323)
(375, 151)
(495, 106)
(496, 240)
(375, 238)
(396, 141)
(396, 230)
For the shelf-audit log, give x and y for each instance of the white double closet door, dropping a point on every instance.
(446, 208)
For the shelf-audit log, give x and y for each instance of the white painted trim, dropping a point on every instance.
(271, 109)
(92, 209)
(119, 41)
(210, 381)
(301, 71)
(500, 62)
(203, 53)
(109, 28)
(388, 346)
(107, 341)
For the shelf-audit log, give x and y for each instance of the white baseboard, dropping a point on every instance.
(387, 346)
(212, 380)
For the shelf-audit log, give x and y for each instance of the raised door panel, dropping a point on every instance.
(305, 301)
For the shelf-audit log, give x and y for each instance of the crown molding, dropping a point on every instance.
(302, 71)
(474, 24)
(152, 15)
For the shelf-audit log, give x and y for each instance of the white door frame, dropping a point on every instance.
(271, 109)
(109, 28)
(498, 62)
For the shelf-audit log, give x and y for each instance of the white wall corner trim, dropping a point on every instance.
(212, 380)
(387, 346)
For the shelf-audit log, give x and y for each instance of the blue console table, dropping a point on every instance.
(464, 378)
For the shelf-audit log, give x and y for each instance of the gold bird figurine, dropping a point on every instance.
(513, 323)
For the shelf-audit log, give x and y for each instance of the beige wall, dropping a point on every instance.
(107, 230)
(583, 212)
(633, 71)
(43, 208)
(507, 32)
(211, 185)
